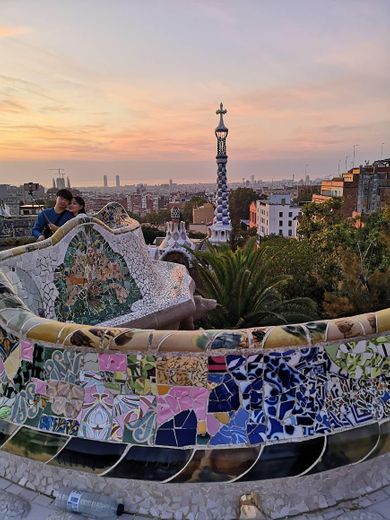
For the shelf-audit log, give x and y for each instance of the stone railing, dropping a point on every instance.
(193, 406)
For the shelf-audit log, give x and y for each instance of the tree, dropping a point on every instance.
(246, 291)
(300, 262)
(150, 233)
(358, 289)
(352, 256)
(194, 202)
(239, 202)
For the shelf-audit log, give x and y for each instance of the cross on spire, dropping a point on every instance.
(221, 110)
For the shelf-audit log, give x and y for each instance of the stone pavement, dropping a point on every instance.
(373, 506)
(17, 503)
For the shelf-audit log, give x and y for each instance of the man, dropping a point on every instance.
(50, 219)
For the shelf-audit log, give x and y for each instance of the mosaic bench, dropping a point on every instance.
(97, 270)
(193, 406)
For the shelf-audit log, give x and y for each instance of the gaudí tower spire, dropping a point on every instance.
(219, 231)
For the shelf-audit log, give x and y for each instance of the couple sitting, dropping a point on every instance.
(50, 219)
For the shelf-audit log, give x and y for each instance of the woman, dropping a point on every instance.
(77, 206)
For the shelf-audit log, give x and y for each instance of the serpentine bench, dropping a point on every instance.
(97, 270)
(103, 407)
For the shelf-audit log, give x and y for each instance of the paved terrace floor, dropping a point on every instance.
(373, 506)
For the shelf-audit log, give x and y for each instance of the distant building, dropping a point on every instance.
(306, 191)
(117, 181)
(277, 216)
(373, 193)
(4, 209)
(60, 183)
(252, 215)
(105, 181)
(30, 209)
(203, 214)
(96, 202)
(364, 189)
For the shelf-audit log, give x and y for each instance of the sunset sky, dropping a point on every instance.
(130, 87)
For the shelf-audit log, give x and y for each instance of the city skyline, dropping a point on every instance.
(131, 90)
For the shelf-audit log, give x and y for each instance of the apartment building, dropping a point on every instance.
(277, 216)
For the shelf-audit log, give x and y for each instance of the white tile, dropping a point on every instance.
(4, 483)
(38, 512)
(43, 500)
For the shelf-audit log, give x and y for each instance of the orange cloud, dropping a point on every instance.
(7, 31)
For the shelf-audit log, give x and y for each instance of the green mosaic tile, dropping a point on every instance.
(94, 283)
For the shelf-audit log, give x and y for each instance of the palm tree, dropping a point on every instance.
(247, 293)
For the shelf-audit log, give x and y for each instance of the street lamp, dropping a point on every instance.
(382, 150)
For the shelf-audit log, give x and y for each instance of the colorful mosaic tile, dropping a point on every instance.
(230, 340)
(346, 402)
(8, 343)
(66, 399)
(233, 433)
(357, 359)
(134, 419)
(64, 365)
(93, 283)
(141, 375)
(181, 398)
(224, 395)
(182, 371)
(96, 414)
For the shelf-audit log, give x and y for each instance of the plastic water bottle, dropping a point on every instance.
(93, 505)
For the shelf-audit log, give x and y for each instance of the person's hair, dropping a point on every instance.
(80, 201)
(65, 194)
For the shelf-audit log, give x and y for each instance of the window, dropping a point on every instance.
(280, 223)
(280, 214)
(290, 214)
(290, 232)
(281, 232)
(283, 202)
(290, 223)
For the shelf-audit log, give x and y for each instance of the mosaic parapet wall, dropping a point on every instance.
(97, 270)
(193, 406)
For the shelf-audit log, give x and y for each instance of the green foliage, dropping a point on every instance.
(299, 262)
(151, 233)
(194, 202)
(239, 202)
(196, 234)
(247, 292)
(352, 258)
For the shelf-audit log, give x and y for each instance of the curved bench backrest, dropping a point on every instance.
(95, 271)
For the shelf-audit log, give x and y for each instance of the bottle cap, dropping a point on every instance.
(120, 510)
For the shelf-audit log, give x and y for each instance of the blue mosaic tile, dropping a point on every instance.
(257, 427)
(229, 340)
(225, 396)
(233, 433)
(237, 367)
(255, 366)
(179, 431)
